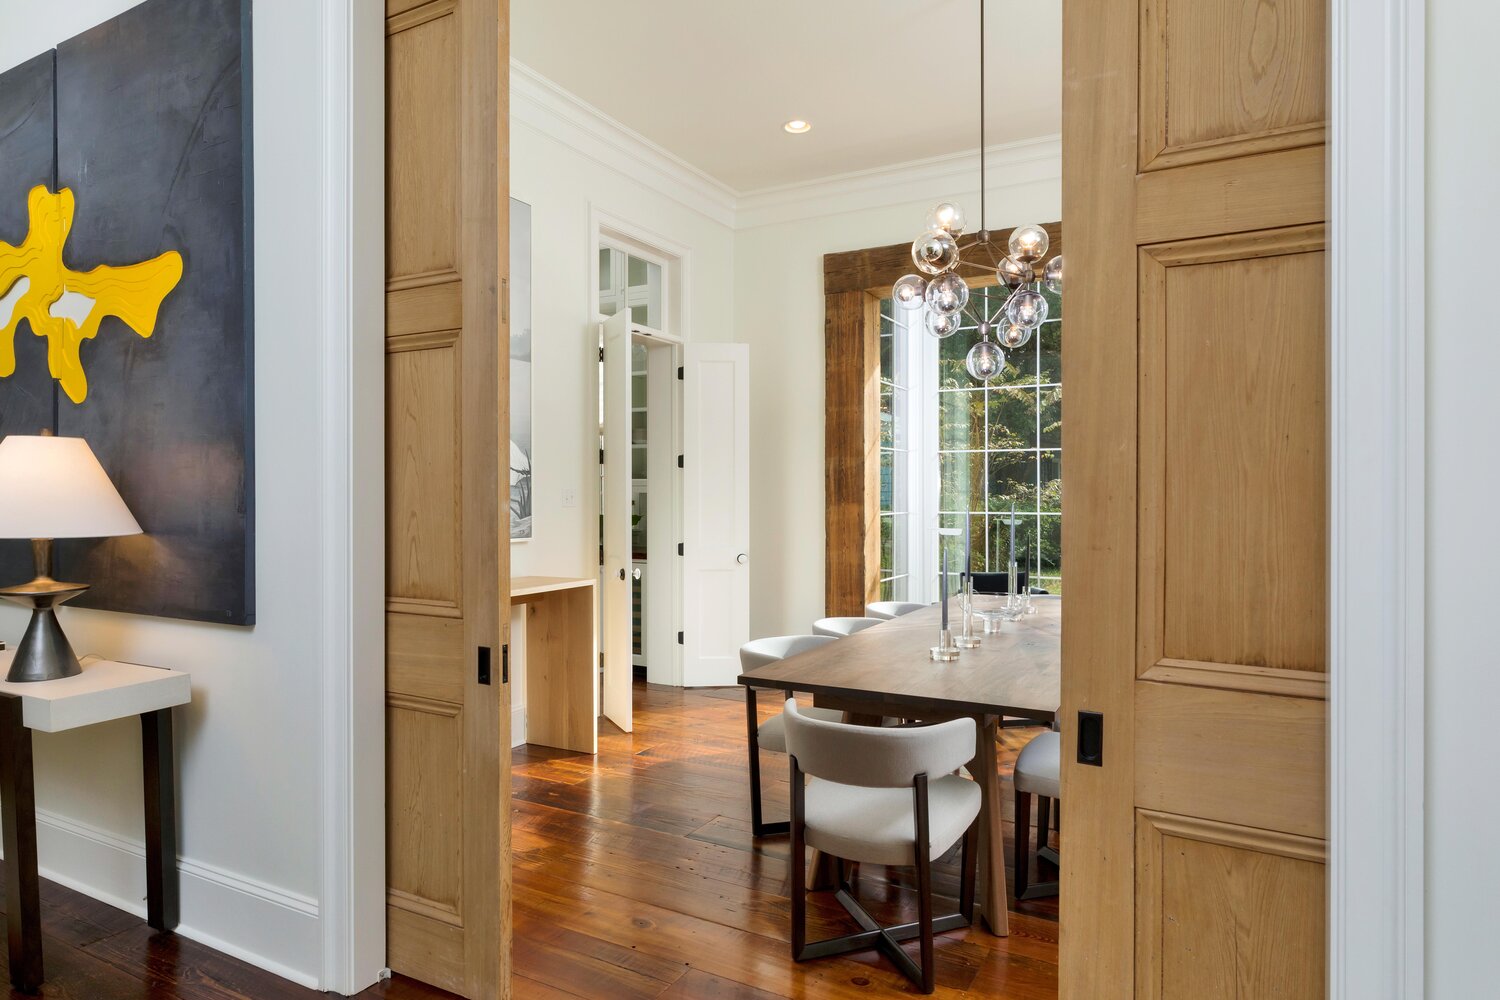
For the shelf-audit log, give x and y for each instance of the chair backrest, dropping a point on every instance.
(837, 627)
(892, 609)
(998, 583)
(759, 652)
(873, 757)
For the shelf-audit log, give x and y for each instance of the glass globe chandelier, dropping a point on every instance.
(942, 293)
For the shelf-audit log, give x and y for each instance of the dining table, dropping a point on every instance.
(886, 672)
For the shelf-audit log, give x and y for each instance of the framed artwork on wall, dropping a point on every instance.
(521, 450)
(126, 218)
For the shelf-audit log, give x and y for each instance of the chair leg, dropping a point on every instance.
(1023, 841)
(1043, 821)
(799, 865)
(924, 886)
(968, 872)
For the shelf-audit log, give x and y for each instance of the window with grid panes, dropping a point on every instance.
(999, 447)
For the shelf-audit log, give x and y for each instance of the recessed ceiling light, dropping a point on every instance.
(797, 126)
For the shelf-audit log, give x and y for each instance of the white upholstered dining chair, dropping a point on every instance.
(1038, 774)
(883, 797)
(892, 609)
(771, 734)
(839, 627)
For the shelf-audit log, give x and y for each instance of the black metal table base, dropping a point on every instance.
(23, 909)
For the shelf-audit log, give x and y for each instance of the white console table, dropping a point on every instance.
(105, 691)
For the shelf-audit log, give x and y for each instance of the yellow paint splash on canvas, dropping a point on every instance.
(134, 292)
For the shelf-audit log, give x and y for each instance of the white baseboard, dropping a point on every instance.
(517, 725)
(271, 928)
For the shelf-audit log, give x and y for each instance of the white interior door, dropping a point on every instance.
(716, 511)
(614, 575)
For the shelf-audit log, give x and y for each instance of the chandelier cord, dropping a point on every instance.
(982, 218)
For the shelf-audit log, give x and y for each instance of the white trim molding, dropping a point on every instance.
(550, 110)
(248, 919)
(1377, 551)
(352, 514)
(540, 104)
(1026, 162)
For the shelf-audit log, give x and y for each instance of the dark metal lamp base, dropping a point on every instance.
(44, 653)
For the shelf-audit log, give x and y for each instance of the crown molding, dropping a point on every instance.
(543, 106)
(952, 175)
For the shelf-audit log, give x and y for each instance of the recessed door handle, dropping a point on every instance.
(742, 558)
(622, 572)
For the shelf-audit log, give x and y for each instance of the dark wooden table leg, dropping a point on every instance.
(23, 903)
(161, 820)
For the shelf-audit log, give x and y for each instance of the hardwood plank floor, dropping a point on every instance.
(636, 877)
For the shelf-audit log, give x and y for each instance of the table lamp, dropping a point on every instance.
(53, 487)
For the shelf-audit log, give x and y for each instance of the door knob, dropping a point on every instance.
(622, 572)
(742, 558)
(636, 573)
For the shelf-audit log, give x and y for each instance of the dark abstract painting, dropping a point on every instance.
(141, 126)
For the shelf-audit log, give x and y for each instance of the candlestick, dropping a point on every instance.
(1010, 580)
(943, 581)
(945, 650)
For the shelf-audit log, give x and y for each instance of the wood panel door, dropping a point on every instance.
(447, 538)
(1195, 528)
(615, 583)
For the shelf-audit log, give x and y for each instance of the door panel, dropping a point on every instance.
(1201, 885)
(615, 580)
(1221, 78)
(716, 511)
(1233, 538)
(1195, 529)
(447, 742)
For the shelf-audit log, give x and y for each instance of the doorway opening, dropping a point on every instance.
(640, 476)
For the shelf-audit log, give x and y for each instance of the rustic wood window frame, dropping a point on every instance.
(854, 282)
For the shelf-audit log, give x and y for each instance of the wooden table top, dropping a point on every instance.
(1017, 672)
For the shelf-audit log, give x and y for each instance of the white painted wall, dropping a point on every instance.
(779, 313)
(562, 186)
(1463, 537)
(251, 748)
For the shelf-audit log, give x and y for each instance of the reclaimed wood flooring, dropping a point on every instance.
(636, 879)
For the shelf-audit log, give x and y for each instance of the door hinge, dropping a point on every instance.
(1091, 738)
(484, 664)
(601, 456)
(679, 638)
(505, 663)
(679, 548)
(601, 355)
(679, 461)
(679, 373)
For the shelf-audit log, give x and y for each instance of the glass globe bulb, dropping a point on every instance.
(1013, 335)
(1012, 273)
(934, 252)
(1052, 275)
(946, 218)
(985, 360)
(909, 292)
(941, 326)
(947, 294)
(1028, 243)
(1026, 307)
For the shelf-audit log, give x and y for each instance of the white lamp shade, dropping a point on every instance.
(54, 487)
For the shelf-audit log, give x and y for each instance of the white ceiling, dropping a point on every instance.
(882, 81)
